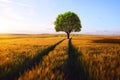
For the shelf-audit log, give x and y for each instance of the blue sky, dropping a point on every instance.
(38, 16)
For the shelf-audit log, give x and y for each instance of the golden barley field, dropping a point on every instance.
(53, 57)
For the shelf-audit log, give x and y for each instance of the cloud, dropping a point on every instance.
(23, 4)
(10, 19)
(8, 13)
(20, 16)
(15, 2)
(5, 1)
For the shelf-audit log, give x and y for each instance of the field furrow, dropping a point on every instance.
(101, 60)
(23, 60)
(51, 67)
(52, 57)
(74, 69)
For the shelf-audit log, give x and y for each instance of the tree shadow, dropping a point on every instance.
(109, 41)
(28, 64)
(74, 69)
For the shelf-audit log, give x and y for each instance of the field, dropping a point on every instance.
(53, 57)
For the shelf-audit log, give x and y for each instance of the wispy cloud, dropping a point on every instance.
(7, 11)
(23, 4)
(14, 2)
(5, 1)
(9, 18)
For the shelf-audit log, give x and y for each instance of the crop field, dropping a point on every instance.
(53, 57)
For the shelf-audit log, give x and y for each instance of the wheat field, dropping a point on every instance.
(53, 57)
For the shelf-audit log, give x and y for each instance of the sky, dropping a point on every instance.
(38, 16)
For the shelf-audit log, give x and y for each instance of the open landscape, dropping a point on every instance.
(53, 57)
(59, 40)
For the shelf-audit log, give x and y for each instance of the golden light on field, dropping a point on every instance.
(53, 57)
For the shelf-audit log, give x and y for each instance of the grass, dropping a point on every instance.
(51, 66)
(16, 55)
(74, 69)
(100, 56)
(49, 57)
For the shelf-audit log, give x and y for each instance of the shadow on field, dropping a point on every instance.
(74, 69)
(110, 41)
(28, 64)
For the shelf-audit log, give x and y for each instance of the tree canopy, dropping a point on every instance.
(68, 22)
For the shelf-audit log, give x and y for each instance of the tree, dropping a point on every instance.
(68, 22)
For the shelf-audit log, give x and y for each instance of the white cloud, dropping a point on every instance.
(7, 13)
(10, 20)
(20, 16)
(22, 4)
(5, 1)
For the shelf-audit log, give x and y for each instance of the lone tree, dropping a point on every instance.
(68, 22)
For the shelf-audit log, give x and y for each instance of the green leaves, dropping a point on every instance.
(68, 22)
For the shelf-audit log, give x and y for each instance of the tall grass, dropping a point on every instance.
(17, 54)
(100, 57)
(51, 67)
(48, 57)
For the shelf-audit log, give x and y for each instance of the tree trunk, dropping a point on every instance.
(68, 35)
